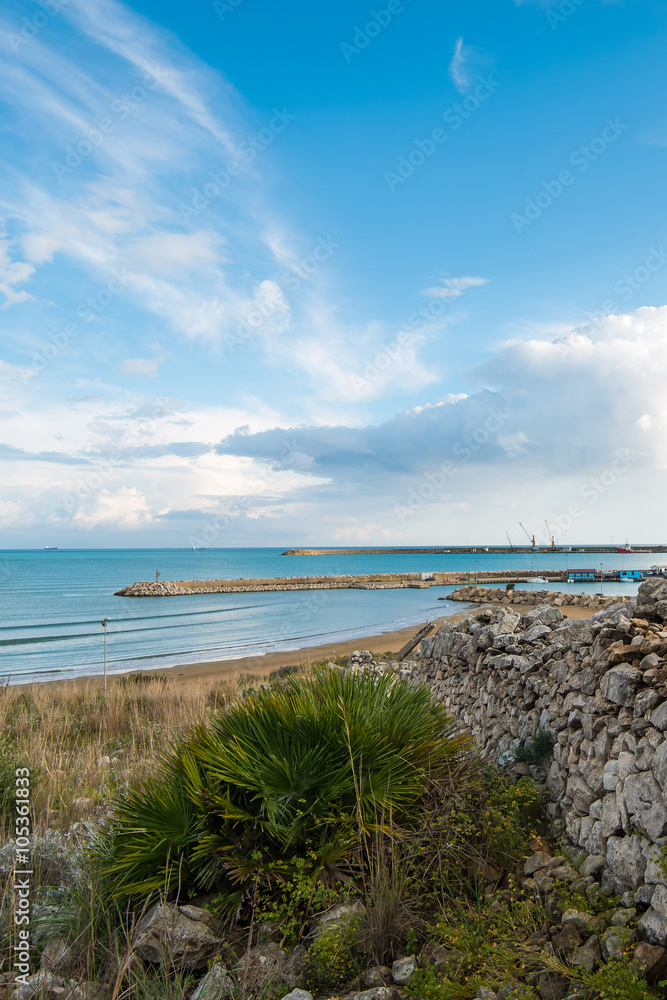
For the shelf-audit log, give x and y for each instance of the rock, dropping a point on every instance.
(566, 940)
(654, 927)
(379, 975)
(620, 684)
(593, 863)
(649, 960)
(295, 966)
(614, 942)
(515, 991)
(626, 861)
(56, 956)
(42, 985)
(265, 962)
(588, 955)
(658, 717)
(379, 993)
(403, 969)
(294, 995)
(217, 984)
(484, 993)
(539, 860)
(543, 614)
(438, 956)
(180, 935)
(585, 923)
(552, 986)
(338, 916)
(623, 916)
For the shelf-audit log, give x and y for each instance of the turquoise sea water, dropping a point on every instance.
(52, 602)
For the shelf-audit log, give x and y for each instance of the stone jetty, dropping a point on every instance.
(181, 588)
(496, 595)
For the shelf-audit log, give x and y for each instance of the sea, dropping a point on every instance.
(52, 603)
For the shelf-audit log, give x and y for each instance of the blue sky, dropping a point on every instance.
(332, 273)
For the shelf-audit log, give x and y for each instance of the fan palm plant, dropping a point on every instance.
(312, 768)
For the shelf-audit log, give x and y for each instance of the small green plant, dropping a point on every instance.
(510, 587)
(10, 760)
(617, 981)
(538, 750)
(333, 957)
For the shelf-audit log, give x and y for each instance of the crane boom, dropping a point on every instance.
(549, 534)
(509, 540)
(531, 538)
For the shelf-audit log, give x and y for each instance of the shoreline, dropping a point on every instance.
(261, 666)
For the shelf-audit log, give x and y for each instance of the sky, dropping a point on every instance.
(332, 274)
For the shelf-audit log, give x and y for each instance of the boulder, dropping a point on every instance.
(587, 956)
(378, 993)
(379, 975)
(649, 960)
(182, 936)
(626, 860)
(620, 684)
(592, 864)
(296, 995)
(338, 916)
(403, 969)
(264, 963)
(216, 984)
(543, 614)
(56, 957)
(653, 926)
(614, 942)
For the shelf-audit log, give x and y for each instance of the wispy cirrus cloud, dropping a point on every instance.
(453, 288)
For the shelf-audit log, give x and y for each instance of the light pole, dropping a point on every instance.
(601, 565)
(532, 582)
(103, 623)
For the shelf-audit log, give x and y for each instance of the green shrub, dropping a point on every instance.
(333, 958)
(311, 768)
(538, 750)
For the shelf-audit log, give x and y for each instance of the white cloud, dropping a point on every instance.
(141, 366)
(453, 288)
(457, 68)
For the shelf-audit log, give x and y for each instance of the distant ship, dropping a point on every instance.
(50, 548)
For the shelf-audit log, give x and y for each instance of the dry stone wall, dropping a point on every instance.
(600, 687)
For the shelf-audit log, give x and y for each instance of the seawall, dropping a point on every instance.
(599, 686)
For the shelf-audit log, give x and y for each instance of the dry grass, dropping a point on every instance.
(81, 744)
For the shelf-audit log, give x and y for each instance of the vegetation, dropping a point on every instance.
(311, 768)
(270, 804)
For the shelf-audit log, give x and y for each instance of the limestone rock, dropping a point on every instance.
(403, 969)
(653, 926)
(649, 960)
(593, 863)
(588, 955)
(538, 860)
(179, 935)
(56, 956)
(216, 984)
(615, 941)
(566, 940)
(295, 995)
(378, 993)
(626, 860)
(620, 684)
(379, 975)
(586, 923)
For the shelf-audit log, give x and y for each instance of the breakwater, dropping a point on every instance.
(597, 688)
(179, 588)
(494, 595)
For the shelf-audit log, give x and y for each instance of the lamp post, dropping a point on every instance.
(103, 623)
(532, 582)
(601, 565)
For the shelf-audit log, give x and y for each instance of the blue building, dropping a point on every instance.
(577, 575)
(631, 574)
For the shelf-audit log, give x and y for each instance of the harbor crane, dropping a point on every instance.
(549, 535)
(509, 541)
(531, 538)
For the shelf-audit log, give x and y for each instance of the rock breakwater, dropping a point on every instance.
(181, 588)
(496, 595)
(599, 687)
